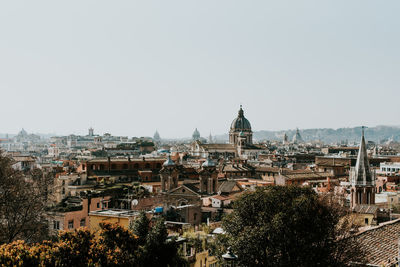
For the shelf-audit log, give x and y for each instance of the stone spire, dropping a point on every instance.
(362, 174)
(362, 178)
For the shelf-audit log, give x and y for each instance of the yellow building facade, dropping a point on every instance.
(120, 217)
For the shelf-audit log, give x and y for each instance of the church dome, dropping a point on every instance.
(240, 123)
(196, 134)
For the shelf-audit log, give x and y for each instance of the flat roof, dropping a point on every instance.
(114, 213)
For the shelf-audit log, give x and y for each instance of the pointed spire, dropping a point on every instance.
(210, 138)
(363, 174)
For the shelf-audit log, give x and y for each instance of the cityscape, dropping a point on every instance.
(194, 183)
(204, 134)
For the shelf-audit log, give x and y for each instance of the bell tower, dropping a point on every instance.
(208, 176)
(362, 178)
(169, 175)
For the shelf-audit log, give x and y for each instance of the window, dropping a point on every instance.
(71, 224)
(366, 220)
(56, 225)
(98, 205)
(83, 222)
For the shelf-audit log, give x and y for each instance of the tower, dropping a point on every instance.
(169, 175)
(240, 125)
(208, 177)
(362, 178)
(91, 131)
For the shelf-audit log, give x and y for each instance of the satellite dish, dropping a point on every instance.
(135, 202)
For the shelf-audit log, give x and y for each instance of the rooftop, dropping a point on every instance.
(381, 243)
(114, 213)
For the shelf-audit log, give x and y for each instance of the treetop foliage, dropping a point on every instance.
(285, 226)
(115, 246)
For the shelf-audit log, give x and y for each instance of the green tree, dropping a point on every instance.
(286, 226)
(140, 227)
(158, 250)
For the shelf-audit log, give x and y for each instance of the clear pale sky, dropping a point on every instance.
(131, 67)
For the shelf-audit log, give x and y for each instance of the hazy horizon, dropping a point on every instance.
(131, 68)
(189, 136)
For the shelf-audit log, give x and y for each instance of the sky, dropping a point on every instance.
(131, 67)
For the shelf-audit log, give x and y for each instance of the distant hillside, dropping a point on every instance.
(327, 135)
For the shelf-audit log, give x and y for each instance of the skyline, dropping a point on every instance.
(131, 68)
(219, 136)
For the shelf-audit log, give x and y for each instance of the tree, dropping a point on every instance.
(140, 227)
(23, 198)
(287, 226)
(158, 251)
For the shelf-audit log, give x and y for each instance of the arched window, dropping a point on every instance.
(101, 167)
(147, 166)
(136, 166)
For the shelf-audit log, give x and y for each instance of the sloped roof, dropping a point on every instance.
(227, 186)
(306, 174)
(365, 209)
(381, 243)
(218, 146)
